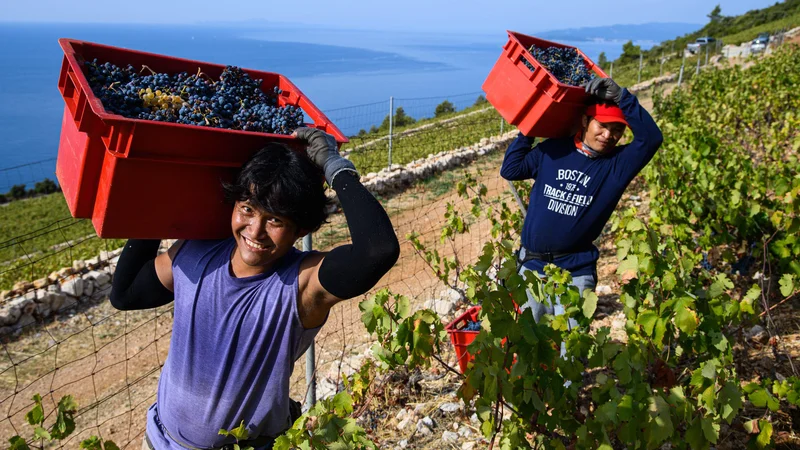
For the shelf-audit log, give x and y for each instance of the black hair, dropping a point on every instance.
(284, 182)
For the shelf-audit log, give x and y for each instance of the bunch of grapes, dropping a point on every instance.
(566, 64)
(235, 101)
(742, 266)
(705, 263)
(472, 326)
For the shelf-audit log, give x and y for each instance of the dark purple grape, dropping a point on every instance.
(235, 101)
(566, 64)
(472, 326)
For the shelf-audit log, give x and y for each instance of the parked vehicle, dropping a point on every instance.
(760, 43)
(699, 43)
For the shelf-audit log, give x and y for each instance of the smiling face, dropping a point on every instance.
(262, 239)
(601, 136)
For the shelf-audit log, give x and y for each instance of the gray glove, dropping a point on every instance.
(605, 89)
(322, 149)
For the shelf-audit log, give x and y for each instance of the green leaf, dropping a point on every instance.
(660, 425)
(668, 281)
(629, 267)
(589, 303)
(607, 413)
(240, 432)
(93, 443)
(787, 285)
(765, 436)
(625, 408)
(36, 415)
(647, 320)
(41, 433)
(343, 404)
(710, 429)
(710, 369)
(623, 246)
(719, 341)
(282, 443)
(753, 293)
(403, 306)
(110, 445)
(730, 400)
(686, 319)
(695, 437)
(17, 443)
(658, 332)
(67, 404)
(367, 317)
(759, 398)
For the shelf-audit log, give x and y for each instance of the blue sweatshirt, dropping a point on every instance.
(574, 195)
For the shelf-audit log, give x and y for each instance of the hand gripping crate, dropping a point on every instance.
(155, 180)
(535, 101)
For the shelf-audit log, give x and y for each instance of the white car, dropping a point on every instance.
(699, 43)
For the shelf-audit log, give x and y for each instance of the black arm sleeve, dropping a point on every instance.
(351, 270)
(136, 284)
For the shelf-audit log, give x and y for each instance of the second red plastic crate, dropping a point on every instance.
(535, 101)
(146, 179)
(462, 338)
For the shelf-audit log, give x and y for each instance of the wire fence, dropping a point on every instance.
(26, 174)
(61, 336)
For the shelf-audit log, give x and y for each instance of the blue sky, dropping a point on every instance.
(413, 15)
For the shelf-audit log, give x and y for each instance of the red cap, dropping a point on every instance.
(606, 113)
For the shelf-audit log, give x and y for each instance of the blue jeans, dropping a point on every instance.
(539, 309)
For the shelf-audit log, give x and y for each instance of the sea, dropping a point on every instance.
(349, 74)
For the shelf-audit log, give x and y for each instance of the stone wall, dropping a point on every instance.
(90, 280)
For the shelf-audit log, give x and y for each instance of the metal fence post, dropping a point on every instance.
(706, 63)
(391, 123)
(311, 379)
(697, 70)
(680, 76)
(639, 79)
(502, 122)
(611, 72)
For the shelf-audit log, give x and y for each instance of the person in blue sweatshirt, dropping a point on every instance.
(578, 182)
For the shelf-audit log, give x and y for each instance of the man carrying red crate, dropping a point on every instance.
(247, 307)
(579, 181)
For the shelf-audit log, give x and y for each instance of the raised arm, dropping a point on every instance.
(521, 161)
(353, 269)
(647, 136)
(143, 279)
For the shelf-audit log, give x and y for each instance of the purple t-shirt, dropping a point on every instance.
(233, 348)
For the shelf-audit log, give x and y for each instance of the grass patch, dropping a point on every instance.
(771, 28)
(38, 236)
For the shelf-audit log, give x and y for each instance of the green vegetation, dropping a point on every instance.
(38, 236)
(725, 204)
(18, 191)
(430, 136)
(443, 108)
(787, 22)
(727, 30)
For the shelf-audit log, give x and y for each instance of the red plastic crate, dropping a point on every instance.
(535, 101)
(146, 179)
(462, 338)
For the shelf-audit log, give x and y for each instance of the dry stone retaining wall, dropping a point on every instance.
(90, 280)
